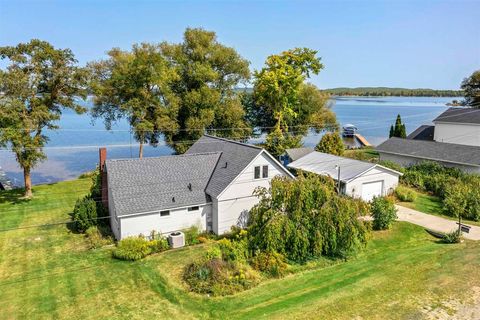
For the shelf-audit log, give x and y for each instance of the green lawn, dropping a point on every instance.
(432, 205)
(48, 272)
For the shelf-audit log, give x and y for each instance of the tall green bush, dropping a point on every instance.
(383, 212)
(305, 218)
(84, 214)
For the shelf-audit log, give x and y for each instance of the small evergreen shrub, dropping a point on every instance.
(452, 237)
(271, 263)
(383, 212)
(405, 194)
(132, 249)
(84, 214)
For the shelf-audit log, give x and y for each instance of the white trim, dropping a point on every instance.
(426, 158)
(256, 157)
(459, 123)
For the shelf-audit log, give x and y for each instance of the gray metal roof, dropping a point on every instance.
(325, 164)
(424, 132)
(148, 184)
(235, 156)
(432, 150)
(297, 153)
(460, 115)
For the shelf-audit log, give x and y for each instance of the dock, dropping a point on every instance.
(362, 140)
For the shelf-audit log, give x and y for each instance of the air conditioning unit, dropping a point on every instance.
(176, 239)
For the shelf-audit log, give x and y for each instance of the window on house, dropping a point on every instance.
(265, 172)
(196, 208)
(257, 173)
(164, 213)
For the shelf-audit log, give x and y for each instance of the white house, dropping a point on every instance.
(453, 141)
(458, 125)
(358, 179)
(211, 186)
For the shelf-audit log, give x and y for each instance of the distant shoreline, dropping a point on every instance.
(392, 92)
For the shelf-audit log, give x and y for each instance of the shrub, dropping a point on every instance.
(159, 245)
(405, 194)
(84, 214)
(132, 248)
(213, 253)
(96, 239)
(191, 235)
(383, 212)
(236, 250)
(392, 165)
(331, 143)
(219, 277)
(452, 237)
(271, 263)
(305, 218)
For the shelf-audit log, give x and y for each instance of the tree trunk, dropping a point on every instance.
(28, 182)
(140, 151)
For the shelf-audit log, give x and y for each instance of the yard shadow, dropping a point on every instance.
(14, 196)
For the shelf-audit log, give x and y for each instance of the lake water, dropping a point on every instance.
(74, 149)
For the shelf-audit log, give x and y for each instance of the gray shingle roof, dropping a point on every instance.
(143, 185)
(432, 150)
(424, 132)
(460, 115)
(297, 153)
(235, 156)
(324, 164)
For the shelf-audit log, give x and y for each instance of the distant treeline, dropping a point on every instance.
(384, 91)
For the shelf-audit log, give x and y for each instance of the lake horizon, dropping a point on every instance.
(73, 149)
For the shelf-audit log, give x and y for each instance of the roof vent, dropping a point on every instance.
(226, 164)
(173, 199)
(190, 186)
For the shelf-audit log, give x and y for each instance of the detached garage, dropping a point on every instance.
(357, 178)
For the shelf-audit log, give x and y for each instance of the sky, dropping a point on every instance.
(412, 44)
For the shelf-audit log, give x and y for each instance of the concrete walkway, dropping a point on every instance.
(434, 223)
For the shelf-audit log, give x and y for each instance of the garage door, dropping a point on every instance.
(371, 189)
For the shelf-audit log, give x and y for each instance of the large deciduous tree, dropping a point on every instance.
(471, 87)
(38, 83)
(136, 85)
(208, 72)
(282, 99)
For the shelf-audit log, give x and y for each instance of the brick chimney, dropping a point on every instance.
(102, 152)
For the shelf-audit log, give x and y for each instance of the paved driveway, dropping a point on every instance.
(433, 222)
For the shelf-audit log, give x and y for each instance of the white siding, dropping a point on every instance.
(235, 201)
(468, 134)
(389, 179)
(177, 220)
(406, 161)
(234, 213)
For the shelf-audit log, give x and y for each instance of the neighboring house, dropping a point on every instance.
(453, 141)
(458, 125)
(357, 178)
(407, 152)
(211, 186)
(294, 154)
